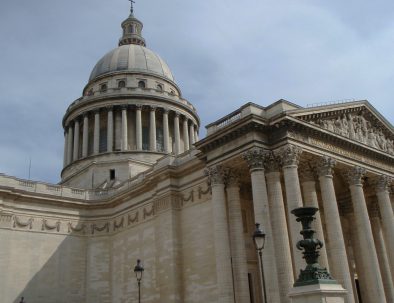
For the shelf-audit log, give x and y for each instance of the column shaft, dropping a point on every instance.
(70, 145)
(76, 140)
(364, 231)
(85, 134)
(65, 147)
(138, 127)
(177, 135)
(336, 243)
(196, 138)
(110, 130)
(383, 259)
(191, 131)
(310, 199)
(166, 132)
(152, 130)
(281, 236)
(96, 134)
(186, 134)
(237, 241)
(124, 143)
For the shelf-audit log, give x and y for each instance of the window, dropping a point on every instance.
(131, 29)
(90, 92)
(159, 87)
(172, 92)
(121, 83)
(103, 87)
(141, 84)
(112, 174)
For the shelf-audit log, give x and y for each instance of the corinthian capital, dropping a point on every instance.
(355, 175)
(216, 174)
(255, 158)
(271, 162)
(306, 173)
(325, 166)
(232, 177)
(383, 183)
(290, 155)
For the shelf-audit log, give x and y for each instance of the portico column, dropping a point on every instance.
(70, 144)
(386, 211)
(166, 133)
(255, 159)
(185, 134)
(279, 232)
(96, 134)
(310, 199)
(85, 134)
(237, 240)
(290, 158)
(177, 135)
(152, 129)
(191, 131)
(138, 126)
(336, 244)
(76, 140)
(110, 129)
(364, 231)
(221, 237)
(124, 143)
(381, 253)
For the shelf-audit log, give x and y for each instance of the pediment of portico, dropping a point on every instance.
(357, 121)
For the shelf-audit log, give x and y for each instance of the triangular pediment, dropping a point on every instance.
(358, 121)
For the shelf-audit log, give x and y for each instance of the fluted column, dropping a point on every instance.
(85, 134)
(110, 129)
(138, 126)
(185, 134)
(364, 231)
(124, 142)
(152, 129)
(166, 132)
(290, 157)
(177, 135)
(65, 147)
(310, 199)
(381, 252)
(70, 144)
(255, 159)
(221, 236)
(191, 135)
(96, 133)
(76, 140)
(238, 252)
(280, 232)
(386, 211)
(336, 243)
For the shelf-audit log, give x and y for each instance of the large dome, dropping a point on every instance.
(132, 58)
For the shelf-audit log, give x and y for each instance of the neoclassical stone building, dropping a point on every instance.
(138, 183)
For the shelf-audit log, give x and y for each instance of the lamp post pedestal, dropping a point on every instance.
(318, 293)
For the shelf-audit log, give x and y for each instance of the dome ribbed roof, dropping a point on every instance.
(131, 58)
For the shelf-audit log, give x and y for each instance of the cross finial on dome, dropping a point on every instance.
(131, 7)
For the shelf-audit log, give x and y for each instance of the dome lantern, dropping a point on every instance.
(132, 30)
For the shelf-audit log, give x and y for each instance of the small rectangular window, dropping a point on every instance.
(112, 174)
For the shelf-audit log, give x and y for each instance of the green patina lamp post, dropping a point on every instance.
(313, 273)
(259, 242)
(139, 270)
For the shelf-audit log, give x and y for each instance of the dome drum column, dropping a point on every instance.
(152, 129)
(191, 130)
(166, 132)
(138, 121)
(186, 134)
(85, 135)
(96, 135)
(177, 134)
(76, 140)
(110, 129)
(124, 142)
(69, 144)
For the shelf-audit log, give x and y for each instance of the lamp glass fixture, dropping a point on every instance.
(259, 237)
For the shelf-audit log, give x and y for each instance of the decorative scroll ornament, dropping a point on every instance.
(131, 220)
(105, 227)
(358, 128)
(216, 174)
(290, 155)
(46, 226)
(81, 228)
(255, 158)
(18, 223)
(313, 273)
(325, 166)
(355, 175)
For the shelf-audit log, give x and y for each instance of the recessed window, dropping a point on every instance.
(131, 29)
(141, 84)
(172, 92)
(159, 87)
(103, 87)
(112, 174)
(122, 84)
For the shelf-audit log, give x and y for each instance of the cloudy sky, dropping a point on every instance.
(223, 53)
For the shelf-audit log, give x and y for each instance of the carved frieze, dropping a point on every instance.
(19, 223)
(118, 225)
(77, 229)
(358, 127)
(47, 226)
(95, 227)
(132, 219)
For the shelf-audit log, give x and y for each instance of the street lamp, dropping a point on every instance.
(259, 242)
(138, 270)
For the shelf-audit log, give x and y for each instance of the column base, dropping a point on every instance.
(318, 293)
